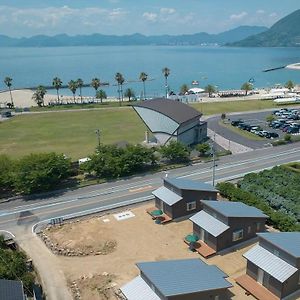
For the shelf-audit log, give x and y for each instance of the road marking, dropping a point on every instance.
(8, 232)
(142, 189)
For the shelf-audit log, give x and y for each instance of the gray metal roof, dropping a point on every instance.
(185, 184)
(270, 263)
(234, 209)
(209, 223)
(177, 111)
(11, 290)
(138, 289)
(287, 241)
(167, 195)
(181, 277)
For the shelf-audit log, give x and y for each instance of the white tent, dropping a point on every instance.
(196, 90)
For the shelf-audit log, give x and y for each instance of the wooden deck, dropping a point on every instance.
(163, 218)
(203, 249)
(255, 289)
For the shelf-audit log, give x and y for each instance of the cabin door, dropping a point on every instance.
(202, 234)
(260, 276)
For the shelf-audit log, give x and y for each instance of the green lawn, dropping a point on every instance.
(233, 106)
(72, 133)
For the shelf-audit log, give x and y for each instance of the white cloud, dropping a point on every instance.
(238, 17)
(260, 12)
(152, 17)
(273, 15)
(166, 10)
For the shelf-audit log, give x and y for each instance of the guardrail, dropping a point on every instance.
(38, 226)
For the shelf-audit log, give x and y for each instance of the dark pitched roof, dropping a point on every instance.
(234, 209)
(11, 290)
(185, 184)
(177, 111)
(287, 241)
(180, 277)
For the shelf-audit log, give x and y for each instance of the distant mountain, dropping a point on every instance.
(284, 33)
(63, 40)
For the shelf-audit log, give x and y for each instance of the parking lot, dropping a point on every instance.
(252, 130)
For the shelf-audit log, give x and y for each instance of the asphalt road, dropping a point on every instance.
(18, 217)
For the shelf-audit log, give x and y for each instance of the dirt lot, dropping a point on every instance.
(137, 239)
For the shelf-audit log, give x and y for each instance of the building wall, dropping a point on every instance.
(192, 133)
(225, 240)
(209, 239)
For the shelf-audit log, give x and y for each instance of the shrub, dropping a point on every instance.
(175, 152)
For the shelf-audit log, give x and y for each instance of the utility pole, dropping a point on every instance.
(97, 131)
(214, 160)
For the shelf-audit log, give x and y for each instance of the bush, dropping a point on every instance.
(40, 172)
(203, 148)
(176, 152)
(6, 172)
(288, 137)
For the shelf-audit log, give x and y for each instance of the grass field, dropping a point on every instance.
(73, 133)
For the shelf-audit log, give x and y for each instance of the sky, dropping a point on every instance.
(150, 17)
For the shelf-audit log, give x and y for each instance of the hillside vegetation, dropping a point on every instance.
(284, 33)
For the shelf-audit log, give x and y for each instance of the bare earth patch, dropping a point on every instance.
(98, 287)
(138, 239)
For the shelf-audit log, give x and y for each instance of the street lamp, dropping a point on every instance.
(97, 131)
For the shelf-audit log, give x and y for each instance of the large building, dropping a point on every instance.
(171, 120)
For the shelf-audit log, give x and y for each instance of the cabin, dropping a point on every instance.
(273, 266)
(11, 290)
(223, 224)
(178, 197)
(188, 279)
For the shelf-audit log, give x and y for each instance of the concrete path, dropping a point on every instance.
(45, 262)
(234, 147)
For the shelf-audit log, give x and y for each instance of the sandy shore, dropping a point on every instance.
(23, 98)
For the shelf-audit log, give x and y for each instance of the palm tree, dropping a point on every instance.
(120, 80)
(247, 86)
(143, 77)
(8, 83)
(101, 95)
(95, 84)
(57, 83)
(184, 89)
(80, 85)
(39, 95)
(210, 89)
(129, 93)
(72, 85)
(166, 71)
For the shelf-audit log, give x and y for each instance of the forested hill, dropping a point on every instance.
(284, 33)
(63, 40)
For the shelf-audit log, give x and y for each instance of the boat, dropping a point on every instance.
(195, 82)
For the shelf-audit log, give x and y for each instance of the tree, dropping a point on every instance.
(210, 89)
(39, 94)
(96, 84)
(144, 77)
(120, 80)
(223, 117)
(290, 85)
(270, 118)
(101, 95)
(72, 85)
(247, 86)
(184, 89)
(80, 85)
(166, 72)
(8, 83)
(203, 148)
(41, 172)
(129, 93)
(57, 83)
(175, 152)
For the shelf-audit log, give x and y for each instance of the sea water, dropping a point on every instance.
(223, 67)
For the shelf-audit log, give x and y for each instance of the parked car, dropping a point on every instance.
(236, 123)
(273, 135)
(6, 114)
(292, 130)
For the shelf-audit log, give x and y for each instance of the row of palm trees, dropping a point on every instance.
(73, 85)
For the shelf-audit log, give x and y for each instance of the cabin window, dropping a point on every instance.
(249, 229)
(191, 206)
(237, 235)
(257, 226)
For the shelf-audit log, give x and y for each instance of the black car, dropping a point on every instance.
(6, 114)
(236, 123)
(273, 135)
